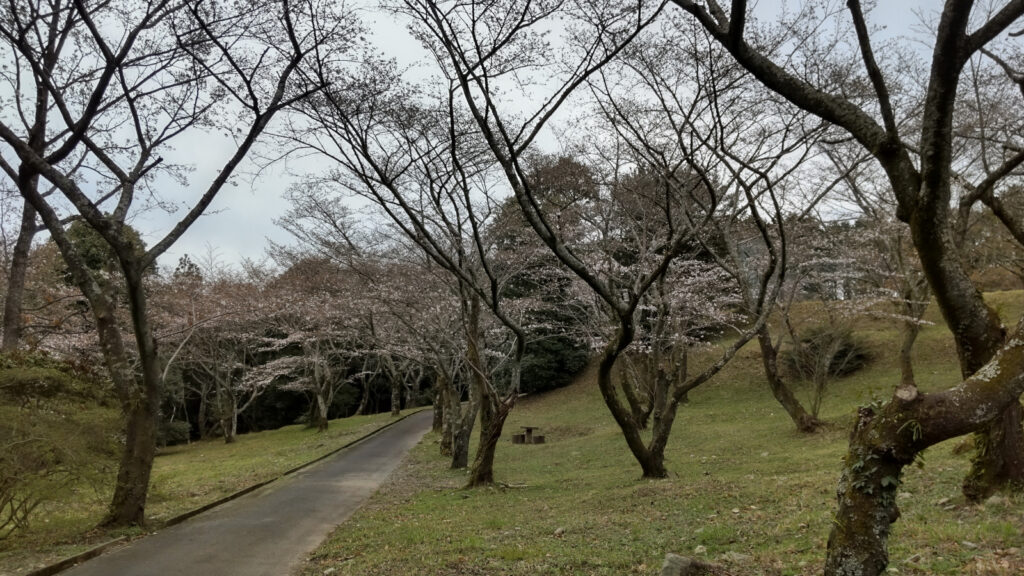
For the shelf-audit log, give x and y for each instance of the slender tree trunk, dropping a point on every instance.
(129, 501)
(202, 424)
(438, 406)
(229, 416)
(909, 333)
(28, 183)
(770, 359)
(651, 465)
(364, 402)
(450, 413)
(319, 412)
(13, 301)
(396, 396)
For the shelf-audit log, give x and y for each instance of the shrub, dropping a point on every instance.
(54, 434)
(826, 351)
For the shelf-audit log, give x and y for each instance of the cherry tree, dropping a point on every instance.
(861, 95)
(410, 154)
(133, 80)
(487, 52)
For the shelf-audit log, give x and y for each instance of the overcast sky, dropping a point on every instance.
(241, 218)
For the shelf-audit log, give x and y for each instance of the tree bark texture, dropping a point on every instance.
(482, 473)
(651, 464)
(140, 402)
(770, 359)
(13, 325)
(396, 396)
(438, 408)
(887, 438)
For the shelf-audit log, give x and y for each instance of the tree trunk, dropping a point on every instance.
(886, 440)
(867, 506)
(319, 414)
(462, 429)
(396, 396)
(143, 406)
(641, 410)
(909, 332)
(202, 423)
(364, 401)
(482, 473)
(450, 412)
(770, 359)
(229, 418)
(999, 457)
(439, 405)
(651, 465)
(13, 300)
(128, 505)
(460, 447)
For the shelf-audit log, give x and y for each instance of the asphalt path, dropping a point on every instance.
(270, 531)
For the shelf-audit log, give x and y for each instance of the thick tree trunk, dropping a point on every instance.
(460, 447)
(128, 505)
(867, 505)
(770, 359)
(978, 333)
(462, 427)
(999, 458)
(482, 473)
(13, 301)
(886, 440)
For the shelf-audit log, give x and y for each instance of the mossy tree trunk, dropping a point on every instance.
(887, 438)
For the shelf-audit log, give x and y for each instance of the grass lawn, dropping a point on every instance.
(746, 490)
(184, 478)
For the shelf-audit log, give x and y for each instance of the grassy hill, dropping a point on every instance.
(746, 490)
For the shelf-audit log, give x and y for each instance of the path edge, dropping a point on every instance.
(70, 561)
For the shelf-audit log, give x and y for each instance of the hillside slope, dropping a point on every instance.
(746, 490)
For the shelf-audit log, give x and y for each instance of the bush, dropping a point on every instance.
(173, 433)
(54, 435)
(826, 352)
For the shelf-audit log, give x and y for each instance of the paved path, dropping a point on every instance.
(270, 531)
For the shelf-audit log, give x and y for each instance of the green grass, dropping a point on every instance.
(184, 478)
(746, 490)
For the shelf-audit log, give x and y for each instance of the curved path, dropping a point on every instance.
(270, 531)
